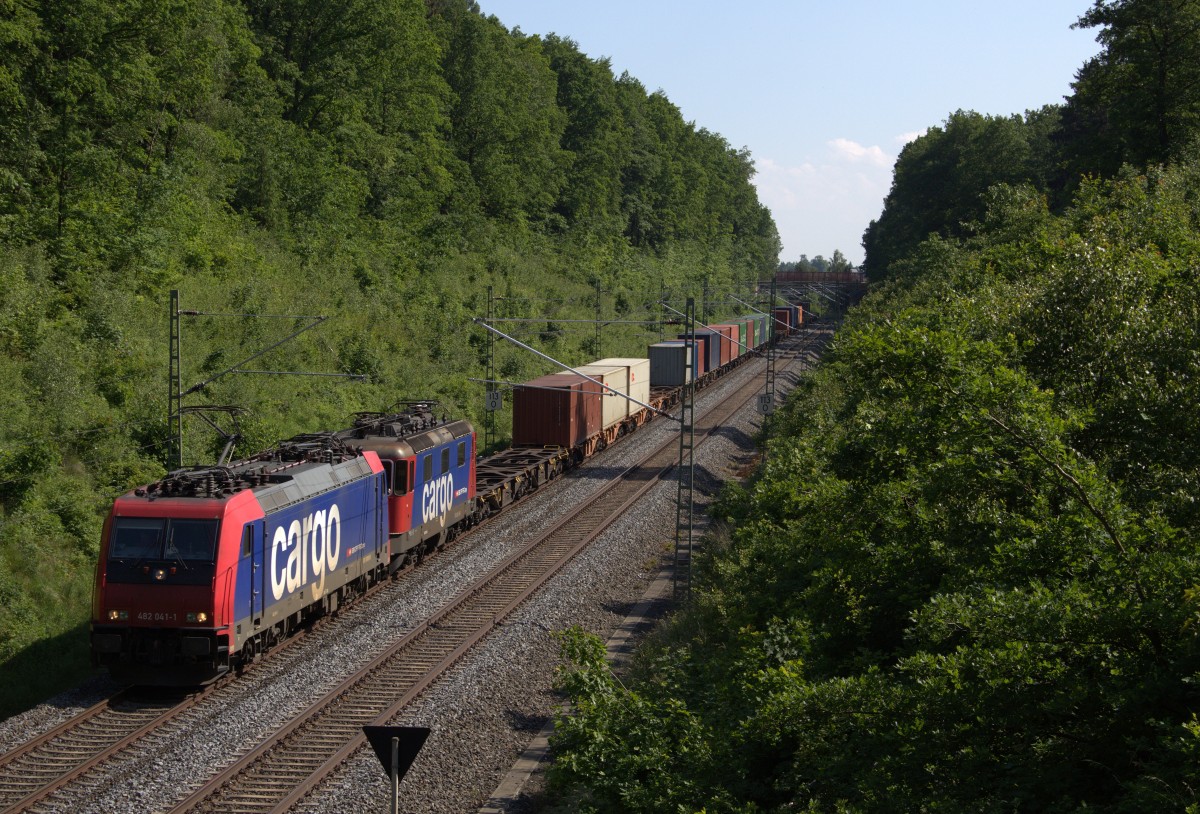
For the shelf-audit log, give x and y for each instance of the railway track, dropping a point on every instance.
(34, 771)
(285, 768)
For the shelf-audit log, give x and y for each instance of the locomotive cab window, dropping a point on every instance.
(159, 550)
(462, 452)
(427, 468)
(247, 541)
(445, 460)
(141, 538)
(136, 538)
(191, 540)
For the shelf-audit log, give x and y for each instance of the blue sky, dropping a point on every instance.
(824, 93)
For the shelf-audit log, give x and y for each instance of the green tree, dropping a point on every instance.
(596, 137)
(105, 88)
(506, 125)
(381, 162)
(362, 103)
(966, 576)
(941, 177)
(1138, 101)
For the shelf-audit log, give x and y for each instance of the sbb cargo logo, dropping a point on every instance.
(308, 547)
(437, 497)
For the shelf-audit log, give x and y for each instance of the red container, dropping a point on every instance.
(559, 410)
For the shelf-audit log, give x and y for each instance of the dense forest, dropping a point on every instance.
(836, 263)
(378, 162)
(967, 577)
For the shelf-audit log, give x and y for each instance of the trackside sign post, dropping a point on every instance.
(397, 748)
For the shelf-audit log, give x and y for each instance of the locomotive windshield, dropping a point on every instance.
(154, 538)
(186, 546)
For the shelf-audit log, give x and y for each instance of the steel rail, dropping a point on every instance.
(36, 769)
(449, 634)
(31, 772)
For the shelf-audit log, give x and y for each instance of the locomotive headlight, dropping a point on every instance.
(118, 615)
(199, 616)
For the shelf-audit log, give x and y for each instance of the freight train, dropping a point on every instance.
(202, 572)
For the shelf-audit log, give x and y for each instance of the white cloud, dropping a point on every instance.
(781, 183)
(824, 204)
(855, 152)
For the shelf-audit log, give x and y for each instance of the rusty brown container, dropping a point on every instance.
(613, 409)
(557, 410)
(737, 332)
(783, 320)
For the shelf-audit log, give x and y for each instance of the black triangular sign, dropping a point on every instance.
(412, 738)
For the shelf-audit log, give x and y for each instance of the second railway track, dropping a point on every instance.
(33, 772)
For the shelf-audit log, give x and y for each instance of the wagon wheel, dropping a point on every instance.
(246, 656)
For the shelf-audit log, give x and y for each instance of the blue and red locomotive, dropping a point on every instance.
(202, 571)
(430, 468)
